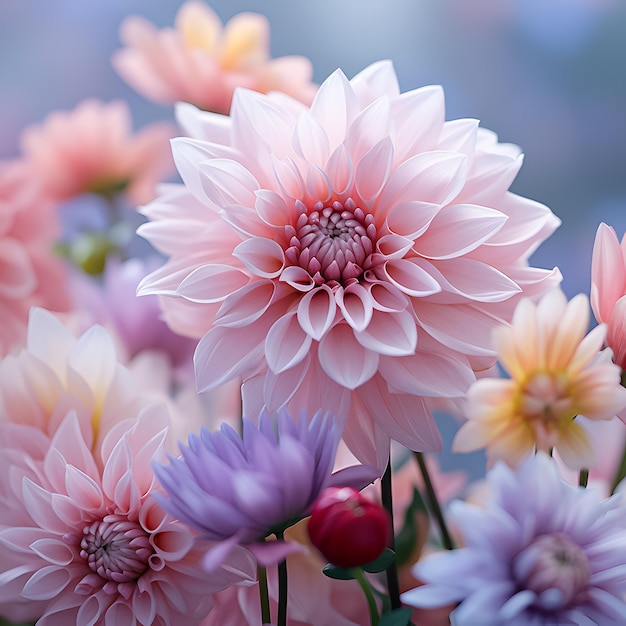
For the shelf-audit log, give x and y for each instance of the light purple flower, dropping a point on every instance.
(239, 490)
(539, 552)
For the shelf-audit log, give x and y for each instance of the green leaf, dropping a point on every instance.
(398, 617)
(407, 538)
(338, 573)
(386, 558)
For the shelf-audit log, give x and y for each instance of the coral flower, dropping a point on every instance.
(83, 540)
(30, 274)
(201, 62)
(539, 552)
(240, 490)
(352, 256)
(608, 289)
(92, 149)
(556, 374)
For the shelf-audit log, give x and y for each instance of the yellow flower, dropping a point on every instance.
(556, 373)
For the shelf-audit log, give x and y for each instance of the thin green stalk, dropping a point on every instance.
(367, 589)
(266, 618)
(583, 477)
(282, 588)
(433, 502)
(391, 572)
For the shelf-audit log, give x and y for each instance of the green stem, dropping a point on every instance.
(391, 572)
(367, 589)
(433, 502)
(282, 587)
(583, 477)
(621, 472)
(266, 618)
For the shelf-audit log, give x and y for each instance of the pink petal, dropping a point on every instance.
(373, 170)
(340, 170)
(311, 141)
(355, 304)
(227, 182)
(262, 257)
(47, 583)
(608, 273)
(272, 209)
(393, 334)
(54, 551)
(17, 277)
(286, 344)
(316, 312)
(344, 360)
(411, 218)
(272, 552)
(211, 283)
(410, 278)
(247, 304)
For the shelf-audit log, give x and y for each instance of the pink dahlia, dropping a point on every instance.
(353, 256)
(92, 149)
(84, 541)
(30, 274)
(202, 62)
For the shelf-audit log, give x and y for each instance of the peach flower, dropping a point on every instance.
(202, 62)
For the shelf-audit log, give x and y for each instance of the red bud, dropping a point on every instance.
(347, 528)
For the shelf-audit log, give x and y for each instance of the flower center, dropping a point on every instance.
(555, 568)
(545, 401)
(116, 548)
(332, 243)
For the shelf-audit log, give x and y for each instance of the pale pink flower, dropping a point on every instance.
(84, 541)
(202, 62)
(93, 149)
(30, 273)
(556, 373)
(608, 289)
(354, 255)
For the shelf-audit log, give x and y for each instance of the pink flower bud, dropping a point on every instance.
(347, 528)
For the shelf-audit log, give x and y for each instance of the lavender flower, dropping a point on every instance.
(239, 490)
(539, 552)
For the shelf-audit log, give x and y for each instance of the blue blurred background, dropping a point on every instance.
(548, 75)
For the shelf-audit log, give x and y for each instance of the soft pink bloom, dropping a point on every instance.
(556, 373)
(608, 289)
(30, 274)
(93, 149)
(83, 540)
(202, 62)
(354, 255)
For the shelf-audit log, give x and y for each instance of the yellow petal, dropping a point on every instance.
(246, 42)
(200, 27)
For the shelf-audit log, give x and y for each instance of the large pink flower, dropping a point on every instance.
(92, 149)
(353, 255)
(201, 62)
(83, 540)
(30, 274)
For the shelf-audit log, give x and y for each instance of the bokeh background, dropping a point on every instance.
(548, 75)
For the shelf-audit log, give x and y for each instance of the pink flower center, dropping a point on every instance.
(555, 568)
(334, 243)
(116, 549)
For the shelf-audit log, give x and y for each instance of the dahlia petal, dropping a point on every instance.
(458, 229)
(355, 304)
(410, 278)
(203, 124)
(386, 298)
(247, 304)
(318, 184)
(460, 136)
(298, 278)
(48, 339)
(316, 312)
(608, 272)
(390, 334)
(287, 343)
(411, 218)
(436, 177)
(377, 79)
(47, 583)
(211, 283)
(310, 140)
(272, 208)
(340, 170)
(244, 220)
(586, 350)
(53, 551)
(83, 489)
(272, 552)
(345, 360)
(262, 257)
(393, 246)
(279, 387)
(227, 182)
(17, 276)
(38, 504)
(334, 107)
(373, 170)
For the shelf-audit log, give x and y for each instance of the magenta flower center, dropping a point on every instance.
(116, 548)
(555, 568)
(333, 243)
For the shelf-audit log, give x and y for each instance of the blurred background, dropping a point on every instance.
(548, 75)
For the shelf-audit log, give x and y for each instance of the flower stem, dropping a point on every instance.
(392, 571)
(266, 618)
(433, 502)
(367, 589)
(282, 587)
(621, 472)
(583, 477)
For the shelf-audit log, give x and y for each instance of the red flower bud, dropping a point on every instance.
(347, 528)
